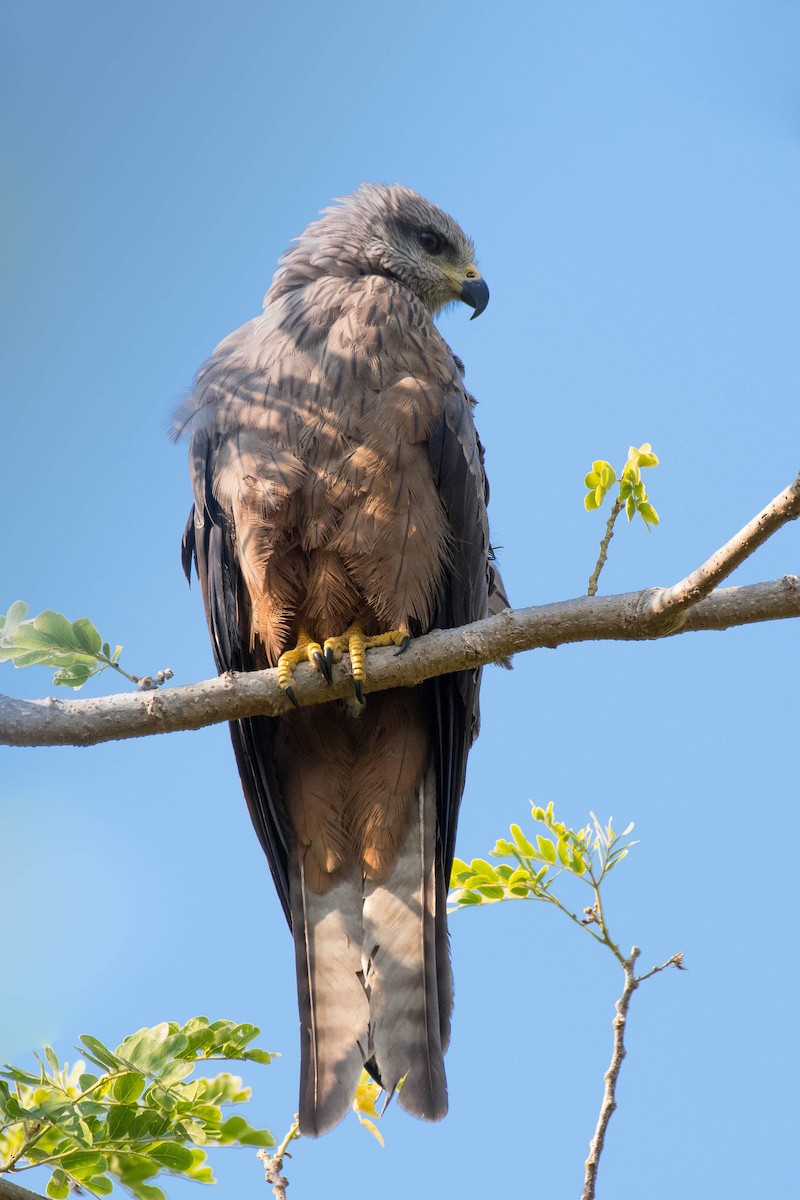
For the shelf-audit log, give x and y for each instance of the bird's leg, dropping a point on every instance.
(306, 650)
(355, 642)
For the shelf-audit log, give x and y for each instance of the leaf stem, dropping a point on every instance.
(107, 662)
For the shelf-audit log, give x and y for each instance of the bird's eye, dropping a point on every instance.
(431, 241)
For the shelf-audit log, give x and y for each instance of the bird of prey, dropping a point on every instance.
(340, 503)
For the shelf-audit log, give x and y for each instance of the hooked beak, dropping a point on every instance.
(475, 293)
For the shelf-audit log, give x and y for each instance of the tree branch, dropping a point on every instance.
(690, 605)
(12, 1191)
(629, 617)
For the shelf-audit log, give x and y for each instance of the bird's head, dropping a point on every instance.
(391, 231)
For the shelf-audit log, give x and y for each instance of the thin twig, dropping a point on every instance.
(616, 509)
(273, 1163)
(609, 1101)
(676, 961)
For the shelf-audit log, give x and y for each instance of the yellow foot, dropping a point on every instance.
(355, 643)
(306, 650)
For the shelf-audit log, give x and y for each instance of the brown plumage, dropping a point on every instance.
(338, 478)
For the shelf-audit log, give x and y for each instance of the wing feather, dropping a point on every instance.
(457, 459)
(208, 541)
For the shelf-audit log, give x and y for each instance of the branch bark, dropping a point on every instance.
(12, 1191)
(690, 605)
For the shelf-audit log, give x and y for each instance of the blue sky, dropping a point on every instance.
(631, 176)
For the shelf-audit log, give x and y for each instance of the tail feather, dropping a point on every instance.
(374, 982)
(334, 1013)
(444, 972)
(407, 982)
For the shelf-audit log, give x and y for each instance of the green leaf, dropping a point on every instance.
(193, 1131)
(128, 1088)
(120, 1121)
(236, 1129)
(149, 1050)
(563, 853)
(459, 868)
(590, 501)
(52, 1058)
(12, 619)
(101, 1184)
(200, 1171)
(175, 1072)
(30, 658)
(171, 1155)
(100, 1053)
(238, 1038)
(87, 636)
(148, 1191)
(523, 845)
(20, 1076)
(546, 849)
(56, 629)
(13, 1108)
(648, 513)
(164, 1100)
(259, 1056)
(577, 863)
(58, 1185)
(207, 1112)
(74, 676)
(132, 1168)
(643, 456)
(483, 870)
(148, 1123)
(83, 1163)
(91, 1108)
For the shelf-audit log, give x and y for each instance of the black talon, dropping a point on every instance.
(359, 687)
(406, 642)
(323, 665)
(289, 691)
(329, 658)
